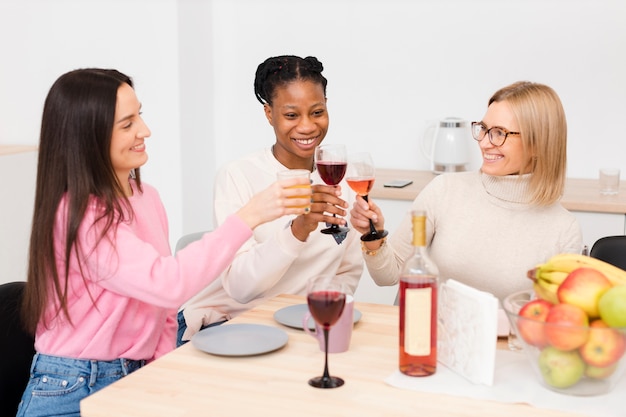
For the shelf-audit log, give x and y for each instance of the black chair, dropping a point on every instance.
(611, 249)
(16, 349)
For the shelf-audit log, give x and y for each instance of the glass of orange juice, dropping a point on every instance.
(297, 173)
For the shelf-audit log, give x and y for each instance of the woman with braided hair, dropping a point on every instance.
(282, 255)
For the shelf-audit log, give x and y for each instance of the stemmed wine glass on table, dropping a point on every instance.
(331, 162)
(326, 299)
(360, 178)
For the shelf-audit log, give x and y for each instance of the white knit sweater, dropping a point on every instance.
(273, 261)
(481, 231)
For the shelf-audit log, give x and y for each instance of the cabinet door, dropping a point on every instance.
(368, 291)
(17, 186)
(597, 225)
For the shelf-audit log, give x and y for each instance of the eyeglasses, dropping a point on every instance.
(497, 135)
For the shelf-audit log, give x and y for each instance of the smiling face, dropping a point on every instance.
(508, 159)
(300, 119)
(128, 150)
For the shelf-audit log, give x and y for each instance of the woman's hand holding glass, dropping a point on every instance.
(360, 177)
(326, 202)
(281, 198)
(362, 213)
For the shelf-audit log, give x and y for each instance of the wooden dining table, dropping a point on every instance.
(189, 382)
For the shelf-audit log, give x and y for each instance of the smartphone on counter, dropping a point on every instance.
(397, 183)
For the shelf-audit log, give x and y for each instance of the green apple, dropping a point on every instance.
(612, 306)
(561, 369)
(583, 287)
(597, 372)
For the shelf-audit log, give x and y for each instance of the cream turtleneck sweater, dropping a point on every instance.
(481, 231)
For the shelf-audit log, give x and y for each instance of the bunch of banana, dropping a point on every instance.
(548, 276)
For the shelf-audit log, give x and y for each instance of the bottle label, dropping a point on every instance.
(417, 321)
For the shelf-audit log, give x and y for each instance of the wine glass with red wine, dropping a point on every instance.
(326, 299)
(331, 162)
(360, 177)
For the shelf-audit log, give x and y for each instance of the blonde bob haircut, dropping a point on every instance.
(543, 131)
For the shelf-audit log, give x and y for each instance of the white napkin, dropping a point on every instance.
(515, 382)
(467, 331)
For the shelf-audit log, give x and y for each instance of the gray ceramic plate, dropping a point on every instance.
(292, 316)
(241, 339)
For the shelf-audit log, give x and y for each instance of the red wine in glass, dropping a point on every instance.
(326, 300)
(331, 162)
(332, 172)
(326, 307)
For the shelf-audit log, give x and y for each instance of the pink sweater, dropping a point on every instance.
(136, 283)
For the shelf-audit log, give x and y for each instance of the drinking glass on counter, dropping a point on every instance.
(609, 181)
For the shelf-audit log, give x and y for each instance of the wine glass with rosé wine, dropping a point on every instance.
(331, 162)
(326, 299)
(360, 177)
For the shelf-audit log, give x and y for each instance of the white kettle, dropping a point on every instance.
(446, 144)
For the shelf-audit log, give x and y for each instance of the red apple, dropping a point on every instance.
(604, 347)
(583, 287)
(530, 324)
(567, 326)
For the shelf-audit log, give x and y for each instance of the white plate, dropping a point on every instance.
(292, 316)
(241, 339)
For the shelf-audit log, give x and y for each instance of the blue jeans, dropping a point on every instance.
(182, 326)
(57, 384)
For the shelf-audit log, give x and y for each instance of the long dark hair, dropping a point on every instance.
(280, 70)
(74, 161)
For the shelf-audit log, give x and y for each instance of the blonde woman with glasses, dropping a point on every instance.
(487, 228)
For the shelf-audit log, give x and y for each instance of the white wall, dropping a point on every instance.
(394, 64)
(391, 64)
(196, 115)
(40, 40)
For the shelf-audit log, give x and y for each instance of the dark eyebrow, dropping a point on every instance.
(123, 119)
(130, 116)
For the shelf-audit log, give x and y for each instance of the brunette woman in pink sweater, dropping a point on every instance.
(103, 288)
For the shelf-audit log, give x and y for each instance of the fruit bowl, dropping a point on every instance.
(571, 359)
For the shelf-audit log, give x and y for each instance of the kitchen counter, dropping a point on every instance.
(12, 149)
(580, 194)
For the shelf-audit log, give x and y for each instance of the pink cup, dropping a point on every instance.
(340, 334)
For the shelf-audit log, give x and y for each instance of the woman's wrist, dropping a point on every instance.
(372, 247)
(298, 230)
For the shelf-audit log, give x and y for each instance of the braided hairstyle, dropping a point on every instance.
(281, 70)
